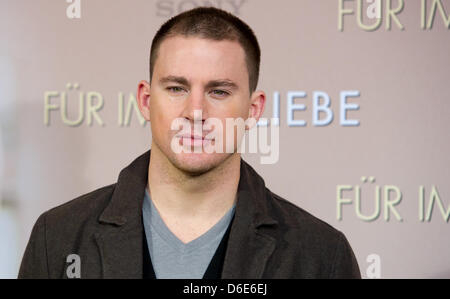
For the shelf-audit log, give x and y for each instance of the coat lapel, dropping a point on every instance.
(121, 253)
(249, 248)
(120, 242)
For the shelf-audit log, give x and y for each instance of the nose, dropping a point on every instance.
(195, 108)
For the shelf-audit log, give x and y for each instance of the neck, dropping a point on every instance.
(201, 196)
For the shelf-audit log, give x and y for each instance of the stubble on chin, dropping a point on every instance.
(196, 166)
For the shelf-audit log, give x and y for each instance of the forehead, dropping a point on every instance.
(202, 59)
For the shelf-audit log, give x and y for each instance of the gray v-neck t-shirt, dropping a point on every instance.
(171, 258)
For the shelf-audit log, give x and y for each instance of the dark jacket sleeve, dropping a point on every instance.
(34, 262)
(345, 264)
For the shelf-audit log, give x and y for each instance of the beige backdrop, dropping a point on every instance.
(402, 140)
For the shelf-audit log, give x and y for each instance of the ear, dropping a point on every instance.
(143, 99)
(257, 105)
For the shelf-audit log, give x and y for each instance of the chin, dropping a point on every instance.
(198, 163)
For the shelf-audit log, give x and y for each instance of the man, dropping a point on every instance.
(190, 213)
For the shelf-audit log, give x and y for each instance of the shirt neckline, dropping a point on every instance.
(159, 226)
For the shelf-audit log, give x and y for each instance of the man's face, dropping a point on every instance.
(190, 75)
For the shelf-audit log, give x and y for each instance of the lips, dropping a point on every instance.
(194, 137)
(197, 141)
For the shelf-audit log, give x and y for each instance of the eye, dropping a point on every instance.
(175, 89)
(220, 93)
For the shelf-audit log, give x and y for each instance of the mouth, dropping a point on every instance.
(194, 137)
(194, 140)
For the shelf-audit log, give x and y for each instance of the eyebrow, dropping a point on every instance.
(224, 83)
(211, 84)
(174, 79)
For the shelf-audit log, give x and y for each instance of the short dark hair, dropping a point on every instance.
(215, 24)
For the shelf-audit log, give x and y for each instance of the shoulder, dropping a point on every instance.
(314, 240)
(82, 209)
(61, 231)
(295, 217)
(305, 231)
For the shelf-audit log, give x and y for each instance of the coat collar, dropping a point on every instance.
(122, 240)
(127, 199)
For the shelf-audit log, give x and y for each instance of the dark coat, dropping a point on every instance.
(270, 237)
